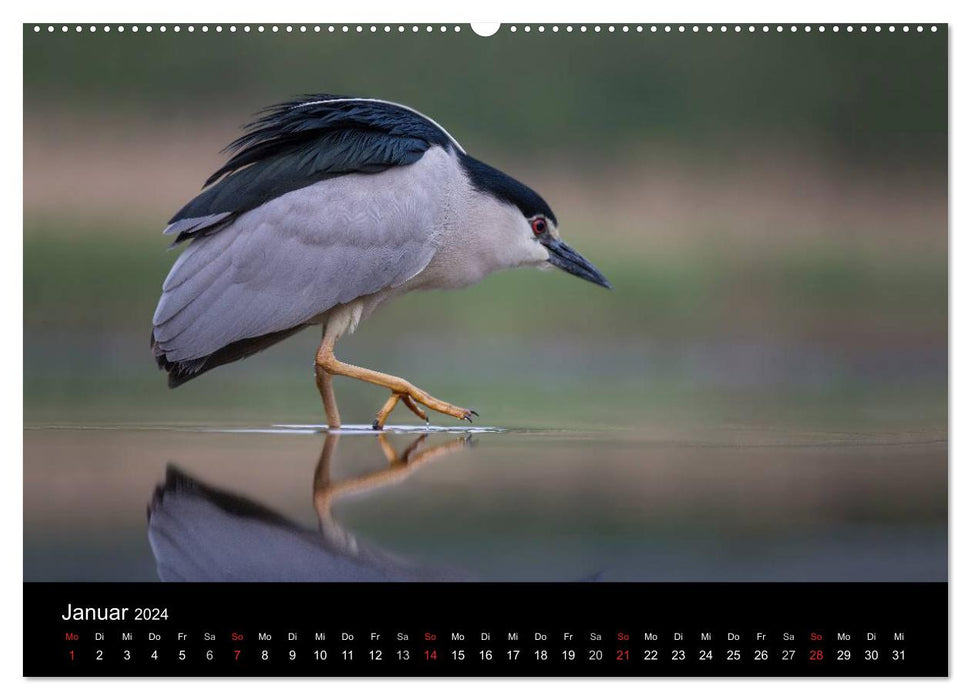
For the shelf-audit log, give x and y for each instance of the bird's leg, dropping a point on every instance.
(325, 385)
(401, 390)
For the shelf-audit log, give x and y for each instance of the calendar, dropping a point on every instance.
(527, 349)
(583, 629)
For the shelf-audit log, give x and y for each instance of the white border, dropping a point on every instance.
(418, 11)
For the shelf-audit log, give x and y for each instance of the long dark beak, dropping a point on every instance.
(565, 258)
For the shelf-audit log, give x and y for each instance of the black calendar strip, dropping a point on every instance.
(577, 629)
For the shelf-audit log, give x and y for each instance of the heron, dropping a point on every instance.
(328, 207)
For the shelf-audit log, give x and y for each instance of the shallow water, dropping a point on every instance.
(290, 502)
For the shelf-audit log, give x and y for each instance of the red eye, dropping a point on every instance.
(539, 226)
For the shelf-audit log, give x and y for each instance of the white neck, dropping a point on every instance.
(479, 235)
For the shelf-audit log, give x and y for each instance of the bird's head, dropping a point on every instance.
(542, 229)
(536, 241)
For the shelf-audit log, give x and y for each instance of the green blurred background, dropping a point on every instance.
(771, 209)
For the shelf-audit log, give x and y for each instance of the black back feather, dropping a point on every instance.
(297, 143)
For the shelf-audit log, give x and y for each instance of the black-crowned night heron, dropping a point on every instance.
(329, 207)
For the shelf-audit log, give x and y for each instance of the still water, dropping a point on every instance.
(294, 503)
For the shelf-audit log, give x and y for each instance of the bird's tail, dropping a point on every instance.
(181, 371)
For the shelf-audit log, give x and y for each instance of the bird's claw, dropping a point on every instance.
(414, 402)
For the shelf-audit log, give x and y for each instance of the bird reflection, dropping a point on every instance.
(200, 533)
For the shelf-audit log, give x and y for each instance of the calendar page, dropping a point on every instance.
(540, 349)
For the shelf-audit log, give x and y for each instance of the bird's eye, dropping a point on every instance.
(539, 226)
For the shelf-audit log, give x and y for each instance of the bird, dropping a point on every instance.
(328, 207)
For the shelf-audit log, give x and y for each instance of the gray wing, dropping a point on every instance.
(281, 264)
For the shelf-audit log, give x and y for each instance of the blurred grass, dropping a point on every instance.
(871, 96)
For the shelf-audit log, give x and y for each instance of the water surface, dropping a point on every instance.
(292, 503)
